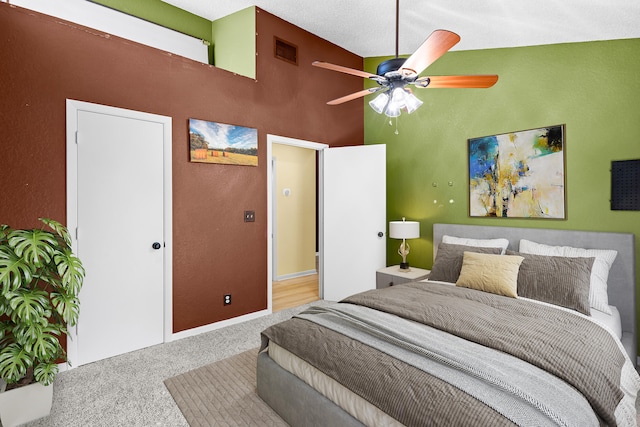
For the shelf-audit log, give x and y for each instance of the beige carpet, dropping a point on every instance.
(223, 394)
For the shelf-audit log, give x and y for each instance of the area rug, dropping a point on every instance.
(223, 394)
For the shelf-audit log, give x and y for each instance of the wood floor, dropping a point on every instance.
(294, 292)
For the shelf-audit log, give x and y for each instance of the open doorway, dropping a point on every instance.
(351, 181)
(295, 231)
(293, 257)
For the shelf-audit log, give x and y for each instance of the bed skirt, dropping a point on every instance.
(295, 401)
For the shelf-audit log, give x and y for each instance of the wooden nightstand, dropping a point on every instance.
(390, 276)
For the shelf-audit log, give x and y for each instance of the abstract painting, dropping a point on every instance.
(518, 174)
(211, 142)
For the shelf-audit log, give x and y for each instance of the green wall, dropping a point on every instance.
(592, 88)
(234, 39)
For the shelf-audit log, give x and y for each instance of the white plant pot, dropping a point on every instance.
(24, 404)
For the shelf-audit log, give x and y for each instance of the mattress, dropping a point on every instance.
(350, 402)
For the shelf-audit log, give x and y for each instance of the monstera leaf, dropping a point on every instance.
(34, 246)
(70, 270)
(29, 305)
(45, 373)
(14, 271)
(14, 362)
(45, 344)
(67, 305)
(60, 229)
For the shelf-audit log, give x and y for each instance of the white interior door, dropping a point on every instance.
(354, 214)
(119, 218)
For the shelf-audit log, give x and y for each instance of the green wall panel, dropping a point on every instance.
(234, 42)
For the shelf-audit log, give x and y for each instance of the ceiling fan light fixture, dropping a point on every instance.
(412, 103)
(392, 111)
(393, 108)
(379, 102)
(392, 103)
(398, 98)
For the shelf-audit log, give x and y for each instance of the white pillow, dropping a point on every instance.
(598, 297)
(478, 243)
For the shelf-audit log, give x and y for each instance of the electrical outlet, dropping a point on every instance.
(249, 216)
(227, 299)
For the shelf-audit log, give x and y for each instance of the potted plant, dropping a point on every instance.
(40, 279)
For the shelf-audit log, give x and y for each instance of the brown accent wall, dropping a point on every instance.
(44, 61)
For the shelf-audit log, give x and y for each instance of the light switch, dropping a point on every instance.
(249, 216)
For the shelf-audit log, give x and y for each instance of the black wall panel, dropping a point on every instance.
(625, 185)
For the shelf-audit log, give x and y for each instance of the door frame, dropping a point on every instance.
(275, 139)
(72, 108)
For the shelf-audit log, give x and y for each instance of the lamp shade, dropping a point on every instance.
(411, 103)
(379, 102)
(404, 229)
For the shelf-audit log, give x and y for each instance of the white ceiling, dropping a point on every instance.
(367, 28)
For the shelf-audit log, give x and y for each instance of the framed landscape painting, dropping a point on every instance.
(211, 142)
(518, 174)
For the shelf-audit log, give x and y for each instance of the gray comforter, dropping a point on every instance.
(430, 354)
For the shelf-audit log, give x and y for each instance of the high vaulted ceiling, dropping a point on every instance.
(367, 28)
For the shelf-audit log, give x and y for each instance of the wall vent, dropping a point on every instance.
(285, 51)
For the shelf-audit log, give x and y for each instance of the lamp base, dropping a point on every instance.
(404, 267)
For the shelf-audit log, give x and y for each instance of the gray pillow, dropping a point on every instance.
(448, 262)
(563, 281)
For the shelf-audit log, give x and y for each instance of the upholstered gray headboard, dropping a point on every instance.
(622, 276)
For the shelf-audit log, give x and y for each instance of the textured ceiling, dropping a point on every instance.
(367, 28)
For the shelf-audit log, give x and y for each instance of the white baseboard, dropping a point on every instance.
(294, 275)
(196, 331)
(214, 326)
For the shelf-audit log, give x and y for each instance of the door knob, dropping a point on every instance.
(156, 245)
(380, 234)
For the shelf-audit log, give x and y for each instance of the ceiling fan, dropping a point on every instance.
(394, 75)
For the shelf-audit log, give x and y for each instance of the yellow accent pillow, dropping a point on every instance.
(497, 274)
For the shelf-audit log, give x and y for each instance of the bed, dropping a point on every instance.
(415, 355)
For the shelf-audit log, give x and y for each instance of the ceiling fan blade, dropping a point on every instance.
(436, 45)
(437, 82)
(346, 70)
(355, 95)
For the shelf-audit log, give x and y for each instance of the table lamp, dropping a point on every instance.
(404, 230)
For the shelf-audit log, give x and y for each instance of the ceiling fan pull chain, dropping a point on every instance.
(391, 124)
